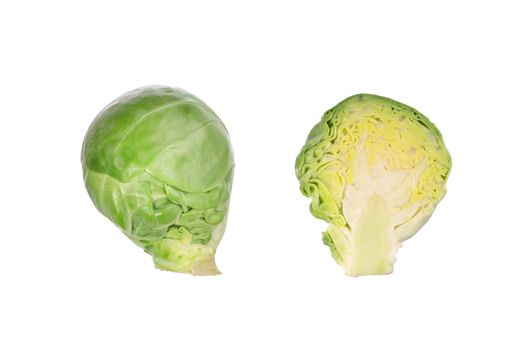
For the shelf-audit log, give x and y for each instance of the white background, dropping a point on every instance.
(70, 280)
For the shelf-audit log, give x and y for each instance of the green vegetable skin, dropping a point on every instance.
(158, 163)
(375, 170)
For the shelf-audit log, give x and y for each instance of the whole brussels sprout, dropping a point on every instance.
(158, 163)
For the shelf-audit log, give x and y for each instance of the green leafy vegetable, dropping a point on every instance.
(375, 170)
(158, 163)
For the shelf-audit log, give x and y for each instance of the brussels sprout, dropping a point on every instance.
(158, 163)
(375, 170)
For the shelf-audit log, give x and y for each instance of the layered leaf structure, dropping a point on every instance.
(158, 163)
(375, 169)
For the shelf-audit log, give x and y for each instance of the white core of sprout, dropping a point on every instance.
(395, 187)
